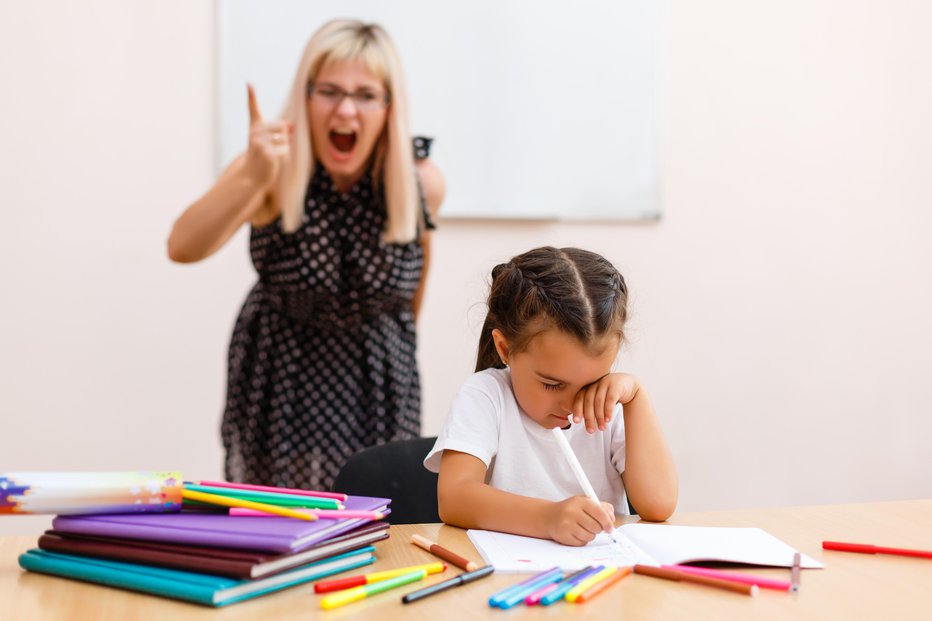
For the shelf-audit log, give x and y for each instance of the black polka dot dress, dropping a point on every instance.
(322, 358)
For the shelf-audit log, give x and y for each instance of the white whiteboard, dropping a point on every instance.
(537, 110)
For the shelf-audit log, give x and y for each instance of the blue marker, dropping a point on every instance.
(497, 598)
(517, 596)
(571, 581)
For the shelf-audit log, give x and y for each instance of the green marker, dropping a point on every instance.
(361, 592)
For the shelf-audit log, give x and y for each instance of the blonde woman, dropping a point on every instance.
(340, 202)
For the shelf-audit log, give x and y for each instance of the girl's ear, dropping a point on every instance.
(501, 345)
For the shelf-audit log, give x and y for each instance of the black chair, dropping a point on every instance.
(394, 470)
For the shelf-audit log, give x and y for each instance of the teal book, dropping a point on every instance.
(184, 585)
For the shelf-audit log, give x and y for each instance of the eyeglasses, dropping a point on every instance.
(364, 100)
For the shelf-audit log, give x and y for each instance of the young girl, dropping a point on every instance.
(552, 333)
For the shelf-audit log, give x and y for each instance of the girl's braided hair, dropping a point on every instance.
(575, 291)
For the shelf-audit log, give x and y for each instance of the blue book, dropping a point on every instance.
(184, 585)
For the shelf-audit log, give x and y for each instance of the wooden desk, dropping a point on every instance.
(853, 586)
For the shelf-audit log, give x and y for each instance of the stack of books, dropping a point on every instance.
(207, 557)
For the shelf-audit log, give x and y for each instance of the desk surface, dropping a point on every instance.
(851, 585)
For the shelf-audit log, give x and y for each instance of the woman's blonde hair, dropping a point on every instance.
(393, 161)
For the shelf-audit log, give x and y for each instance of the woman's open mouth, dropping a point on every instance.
(342, 140)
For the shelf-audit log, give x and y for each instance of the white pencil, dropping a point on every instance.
(575, 466)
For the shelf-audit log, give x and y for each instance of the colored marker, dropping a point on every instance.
(347, 514)
(497, 598)
(534, 598)
(226, 501)
(865, 548)
(670, 574)
(447, 555)
(517, 596)
(602, 585)
(456, 581)
(341, 598)
(271, 498)
(584, 584)
(279, 490)
(794, 573)
(568, 583)
(340, 584)
(764, 583)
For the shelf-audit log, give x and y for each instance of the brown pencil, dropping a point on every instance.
(670, 574)
(441, 552)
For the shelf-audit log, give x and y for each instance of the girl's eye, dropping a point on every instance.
(551, 386)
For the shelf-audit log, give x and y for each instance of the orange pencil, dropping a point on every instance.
(600, 586)
(441, 552)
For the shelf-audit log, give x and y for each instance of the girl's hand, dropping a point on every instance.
(577, 520)
(595, 403)
(269, 144)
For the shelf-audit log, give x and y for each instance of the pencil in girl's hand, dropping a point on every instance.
(576, 467)
(227, 501)
(447, 555)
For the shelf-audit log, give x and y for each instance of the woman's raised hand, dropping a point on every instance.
(269, 144)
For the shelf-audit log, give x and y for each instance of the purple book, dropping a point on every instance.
(266, 534)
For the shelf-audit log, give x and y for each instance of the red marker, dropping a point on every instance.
(865, 548)
(340, 584)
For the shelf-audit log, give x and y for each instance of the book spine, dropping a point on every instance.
(171, 535)
(158, 558)
(119, 575)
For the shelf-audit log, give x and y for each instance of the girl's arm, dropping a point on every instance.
(650, 476)
(465, 500)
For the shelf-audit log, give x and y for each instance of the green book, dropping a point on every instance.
(184, 585)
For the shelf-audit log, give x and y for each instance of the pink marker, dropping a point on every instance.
(321, 513)
(534, 598)
(280, 490)
(764, 583)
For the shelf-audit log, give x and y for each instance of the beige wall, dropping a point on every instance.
(780, 307)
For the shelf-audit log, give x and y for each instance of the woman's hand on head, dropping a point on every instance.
(577, 520)
(269, 144)
(595, 403)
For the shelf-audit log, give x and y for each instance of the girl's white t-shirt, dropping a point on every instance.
(523, 457)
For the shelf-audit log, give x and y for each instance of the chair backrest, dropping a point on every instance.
(394, 470)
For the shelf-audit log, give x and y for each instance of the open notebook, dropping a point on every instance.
(645, 544)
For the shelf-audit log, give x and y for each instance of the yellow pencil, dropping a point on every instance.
(226, 501)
